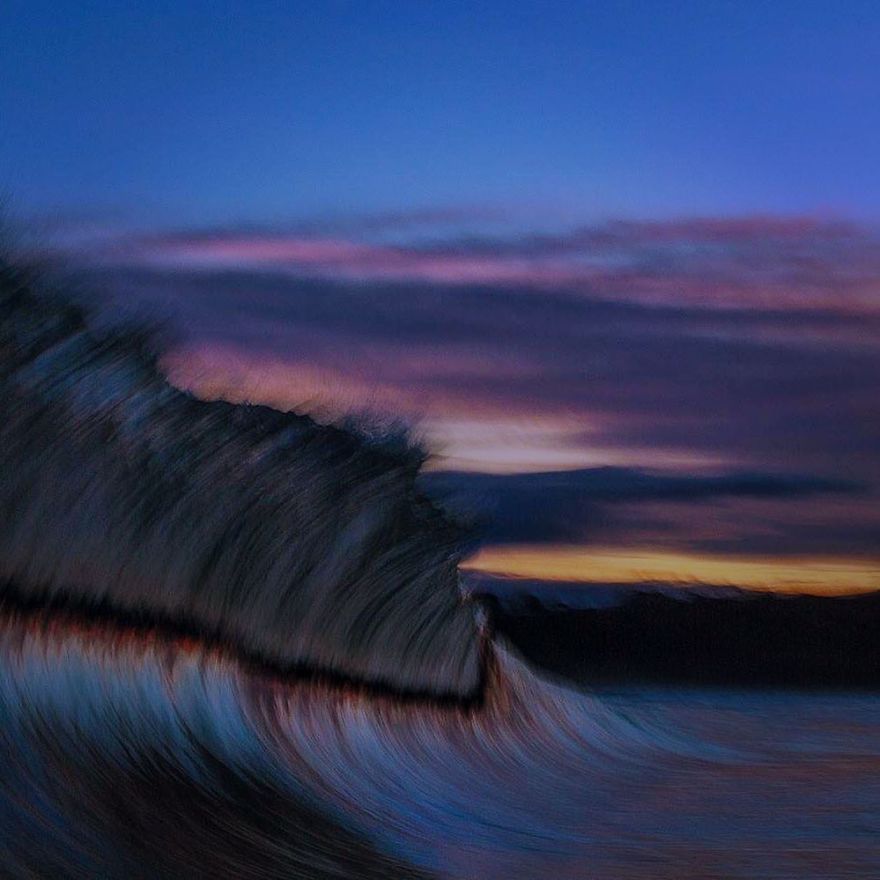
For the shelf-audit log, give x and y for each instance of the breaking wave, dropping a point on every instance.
(160, 541)
(130, 755)
(302, 544)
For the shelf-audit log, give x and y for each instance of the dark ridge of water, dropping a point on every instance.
(110, 623)
(303, 544)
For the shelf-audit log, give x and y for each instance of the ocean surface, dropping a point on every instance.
(132, 754)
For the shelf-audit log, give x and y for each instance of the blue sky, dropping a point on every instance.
(582, 247)
(203, 113)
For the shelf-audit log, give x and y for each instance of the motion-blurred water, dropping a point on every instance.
(380, 734)
(132, 755)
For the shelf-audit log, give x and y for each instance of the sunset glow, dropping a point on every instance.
(440, 440)
(627, 566)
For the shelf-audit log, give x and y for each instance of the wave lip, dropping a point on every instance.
(303, 544)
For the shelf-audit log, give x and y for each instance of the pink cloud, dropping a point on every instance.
(762, 263)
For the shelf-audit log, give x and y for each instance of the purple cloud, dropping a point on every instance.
(697, 347)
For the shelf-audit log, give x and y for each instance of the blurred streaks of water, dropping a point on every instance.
(128, 756)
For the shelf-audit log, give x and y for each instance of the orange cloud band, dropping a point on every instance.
(818, 576)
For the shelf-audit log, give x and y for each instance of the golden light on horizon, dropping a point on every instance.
(607, 565)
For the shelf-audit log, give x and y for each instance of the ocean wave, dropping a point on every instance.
(302, 544)
(232, 644)
(134, 755)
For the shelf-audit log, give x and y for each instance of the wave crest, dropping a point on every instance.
(303, 544)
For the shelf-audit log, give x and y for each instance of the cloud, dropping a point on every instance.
(747, 389)
(700, 347)
(765, 263)
(609, 484)
(604, 566)
(577, 505)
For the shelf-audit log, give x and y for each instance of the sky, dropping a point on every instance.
(615, 263)
(215, 112)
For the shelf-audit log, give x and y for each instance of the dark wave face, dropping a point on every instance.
(303, 545)
(152, 546)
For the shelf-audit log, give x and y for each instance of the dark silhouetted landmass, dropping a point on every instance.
(749, 641)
